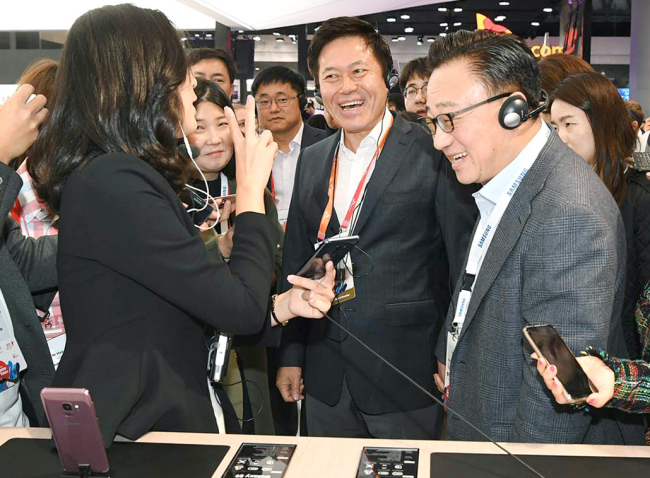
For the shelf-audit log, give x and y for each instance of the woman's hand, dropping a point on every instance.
(307, 298)
(254, 157)
(597, 371)
(19, 122)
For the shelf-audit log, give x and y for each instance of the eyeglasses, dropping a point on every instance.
(446, 120)
(281, 102)
(411, 92)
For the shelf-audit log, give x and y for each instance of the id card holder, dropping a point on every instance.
(344, 288)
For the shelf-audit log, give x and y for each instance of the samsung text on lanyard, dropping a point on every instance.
(480, 244)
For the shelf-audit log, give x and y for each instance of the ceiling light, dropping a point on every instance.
(257, 68)
(197, 35)
(276, 34)
(443, 34)
(548, 10)
(391, 20)
(444, 24)
(504, 4)
(402, 38)
(257, 38)
(535, 24)
(431, 40)
(394, 39)
(419, 43)
(458, 10)
(240, 31)
(279, 40)
(183, 39)
(208, 35)
(408, 30)
(442, 9)
(457, 24)
(500, 18)
(405, 17)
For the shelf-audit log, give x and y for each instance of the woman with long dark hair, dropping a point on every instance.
(138, 289)
(592, 119)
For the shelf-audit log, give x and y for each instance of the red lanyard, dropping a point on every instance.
(334, 175)
(273, 188)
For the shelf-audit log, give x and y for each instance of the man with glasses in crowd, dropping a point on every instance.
(548, 248)
(413, 83)
(378, 178)
(280, 95)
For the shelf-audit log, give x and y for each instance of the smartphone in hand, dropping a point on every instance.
(74, 424)
(547, 344)
(334, 249)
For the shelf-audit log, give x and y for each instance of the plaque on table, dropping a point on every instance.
(389, 462)
(260, 460)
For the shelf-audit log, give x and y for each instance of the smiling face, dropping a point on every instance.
(213, 139)
(574, 129)
(478, 146)
(352, 85)
(417, 105)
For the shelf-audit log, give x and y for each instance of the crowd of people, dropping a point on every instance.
(491, 193)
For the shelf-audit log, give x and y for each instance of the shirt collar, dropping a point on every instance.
(373, 138)
(494, 188)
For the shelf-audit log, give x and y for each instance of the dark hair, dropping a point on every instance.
(318, 121)
(418, 67)
(40, 74)
(558, 66)
(200, 54)
(610, 123)
(409, 116)
(397, 99)
(342, 27)
(501, 62)
(636, 111)
(207, 91)
(116, 91)
(280, 74)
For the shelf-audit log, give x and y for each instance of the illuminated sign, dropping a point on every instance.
(545, 50)
(484, 23)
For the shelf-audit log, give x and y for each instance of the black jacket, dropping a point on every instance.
(415, 224)
(635, 211)
(138, 290)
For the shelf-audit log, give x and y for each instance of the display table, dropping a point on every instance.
(339, 457)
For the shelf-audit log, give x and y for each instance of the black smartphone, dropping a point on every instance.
(333, 249)
(202, 212)
(641, 161)
(547, 344)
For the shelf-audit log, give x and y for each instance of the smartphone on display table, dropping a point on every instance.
(334, 249)
(74, 424)
(547, 344)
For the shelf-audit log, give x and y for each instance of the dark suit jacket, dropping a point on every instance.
(137, 291)
(415, 222)
(28, 267)
(557, 257)
(311, 135)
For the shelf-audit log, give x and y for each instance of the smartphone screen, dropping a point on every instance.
(556, 352)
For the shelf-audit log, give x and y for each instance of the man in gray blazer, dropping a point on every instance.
(28, 267)
(549, 247)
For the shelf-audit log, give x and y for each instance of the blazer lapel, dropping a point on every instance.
(509, 230)
(389, 161)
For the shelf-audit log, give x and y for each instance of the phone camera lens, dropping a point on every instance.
(67, 407)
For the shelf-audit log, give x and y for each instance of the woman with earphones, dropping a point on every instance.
(137, 285)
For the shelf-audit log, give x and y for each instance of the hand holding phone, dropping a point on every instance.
(549, 346)
(334, 249)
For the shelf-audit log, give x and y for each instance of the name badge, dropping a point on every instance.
(11, 357)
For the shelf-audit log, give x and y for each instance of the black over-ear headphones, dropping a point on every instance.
(514, 111)
(391, 80)
(303, 100)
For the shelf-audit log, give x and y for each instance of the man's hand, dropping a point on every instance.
(440, 377)
(289, 382)
(19, 122)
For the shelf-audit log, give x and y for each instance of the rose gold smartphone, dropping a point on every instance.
(547, 344)
(74, 424)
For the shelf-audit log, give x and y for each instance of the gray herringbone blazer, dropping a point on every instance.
(557, 257)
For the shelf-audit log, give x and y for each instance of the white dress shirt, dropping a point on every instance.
(488, 196)
(352, 166)
(641, 141)
(284, 172)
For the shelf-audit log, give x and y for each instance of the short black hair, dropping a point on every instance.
(209, 91)
(397, 99)
(342, 27)
(280, 74)
(418, 67)
(200, 54)
(501, 62)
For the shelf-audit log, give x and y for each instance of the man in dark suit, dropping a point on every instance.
(549, 247)
(280, 96)
(377, 178)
